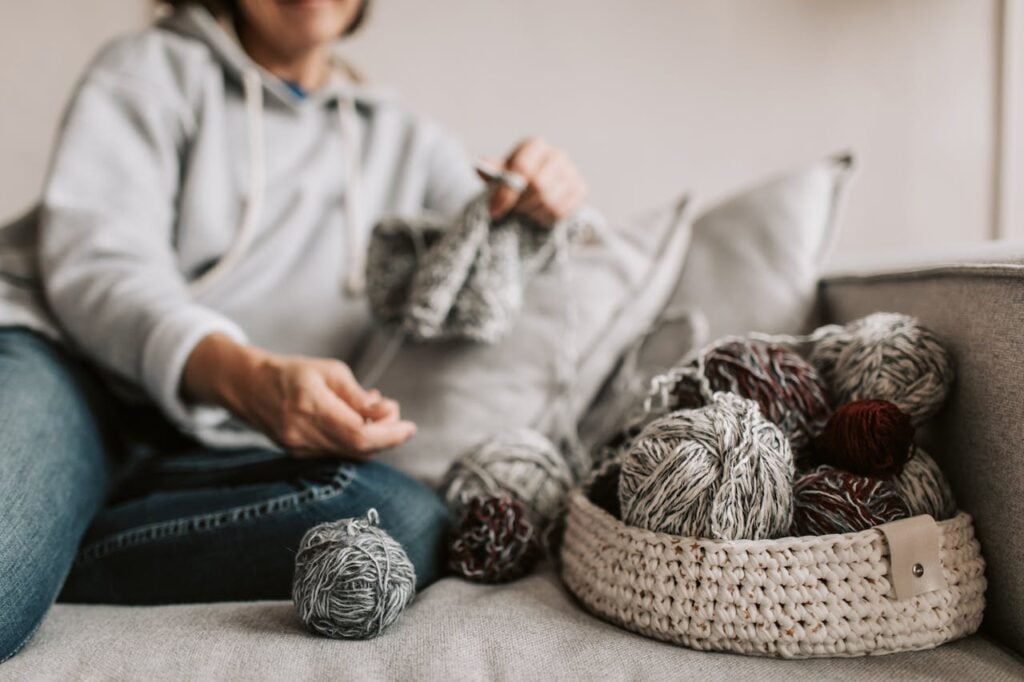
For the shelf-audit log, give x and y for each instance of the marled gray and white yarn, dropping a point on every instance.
(722, 471)
(352, 580)
(885, 356)
(522, 462)
(924, 488)
(456, 279)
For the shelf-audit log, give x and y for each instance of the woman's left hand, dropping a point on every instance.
(554, 187)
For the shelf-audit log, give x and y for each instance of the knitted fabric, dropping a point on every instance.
(827, 500)
(885, 356)
(352, 580)
(786, 387)
(722, 471)
(793, 597)
(462, 279)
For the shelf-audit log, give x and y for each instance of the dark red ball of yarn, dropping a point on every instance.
(494, 541)
(788, 389)
(827, 500)
(867, 437)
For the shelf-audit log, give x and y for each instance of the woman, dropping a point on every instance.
(200, 244)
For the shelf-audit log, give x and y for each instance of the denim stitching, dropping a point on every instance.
(213, 520)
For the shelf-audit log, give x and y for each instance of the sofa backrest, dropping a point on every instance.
(977, 308)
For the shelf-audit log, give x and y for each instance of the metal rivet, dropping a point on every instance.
(917, 570)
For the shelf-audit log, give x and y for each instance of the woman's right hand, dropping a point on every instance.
(310, 406)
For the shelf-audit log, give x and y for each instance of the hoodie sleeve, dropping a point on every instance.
(106, 243)
(451, 180)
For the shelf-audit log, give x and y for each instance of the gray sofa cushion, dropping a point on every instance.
(755, 258)
(528, 630)
(977, 307)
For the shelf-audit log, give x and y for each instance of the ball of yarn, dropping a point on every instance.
(827, 500)
(885, 356)
(721, 471)
(522, 463)
(924, 488)
(868, 438)
(494, 541)
(787, 388)
(352, 580)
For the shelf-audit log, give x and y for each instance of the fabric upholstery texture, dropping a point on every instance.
(528, 630)
(615, 291)
(977, 309)
(755, 258)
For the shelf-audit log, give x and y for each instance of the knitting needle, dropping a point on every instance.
(514, 181)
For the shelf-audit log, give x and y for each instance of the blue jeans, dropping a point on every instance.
(103, 502)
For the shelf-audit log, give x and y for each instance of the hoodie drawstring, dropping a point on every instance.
(253, 88)
(355, 277)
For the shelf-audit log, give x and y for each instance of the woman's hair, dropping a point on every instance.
(229, 8)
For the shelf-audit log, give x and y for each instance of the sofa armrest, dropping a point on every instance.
(975, 303)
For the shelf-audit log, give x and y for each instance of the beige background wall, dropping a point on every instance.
(650, 96)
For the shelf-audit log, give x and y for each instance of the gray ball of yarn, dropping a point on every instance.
(924, 488)
(722, 471)
(352, 580)
(521, 462)
(885, 356)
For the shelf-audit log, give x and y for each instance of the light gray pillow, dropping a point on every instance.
(752, 265)
(460, 393)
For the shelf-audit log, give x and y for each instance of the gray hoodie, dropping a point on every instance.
(192, 192)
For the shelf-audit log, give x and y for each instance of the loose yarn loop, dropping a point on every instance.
(924, 488)
(885, 356)
(522, 463)
(722, 471)
(787, 388)
(494, 540)
(868, 438)
(352, 580)
(827, 500)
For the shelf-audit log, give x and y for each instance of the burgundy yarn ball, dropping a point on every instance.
(494, 541)
(787, 388)
(867, 437)
(827, 500)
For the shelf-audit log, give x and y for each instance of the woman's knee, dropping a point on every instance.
(411, 512)
(54, 478)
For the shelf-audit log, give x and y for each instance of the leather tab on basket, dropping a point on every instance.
(914, 556)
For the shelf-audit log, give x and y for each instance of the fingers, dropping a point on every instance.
(350, 433)
(339, 378)
(554, 187)
(525, 160)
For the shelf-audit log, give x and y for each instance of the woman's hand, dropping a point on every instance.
(310, 406)
(554, 187)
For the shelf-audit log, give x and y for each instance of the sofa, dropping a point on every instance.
(534, 629)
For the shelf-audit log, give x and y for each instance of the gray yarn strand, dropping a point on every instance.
(352, 580)
(722, 471)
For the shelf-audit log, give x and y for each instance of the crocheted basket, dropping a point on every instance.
(795, 597)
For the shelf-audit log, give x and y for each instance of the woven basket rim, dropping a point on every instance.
(579, 497)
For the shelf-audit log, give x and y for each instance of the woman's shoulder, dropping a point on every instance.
(154, 60)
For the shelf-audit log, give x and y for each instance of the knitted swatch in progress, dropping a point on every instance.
(465, 278)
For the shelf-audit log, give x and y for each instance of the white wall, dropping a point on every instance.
(650, 96)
